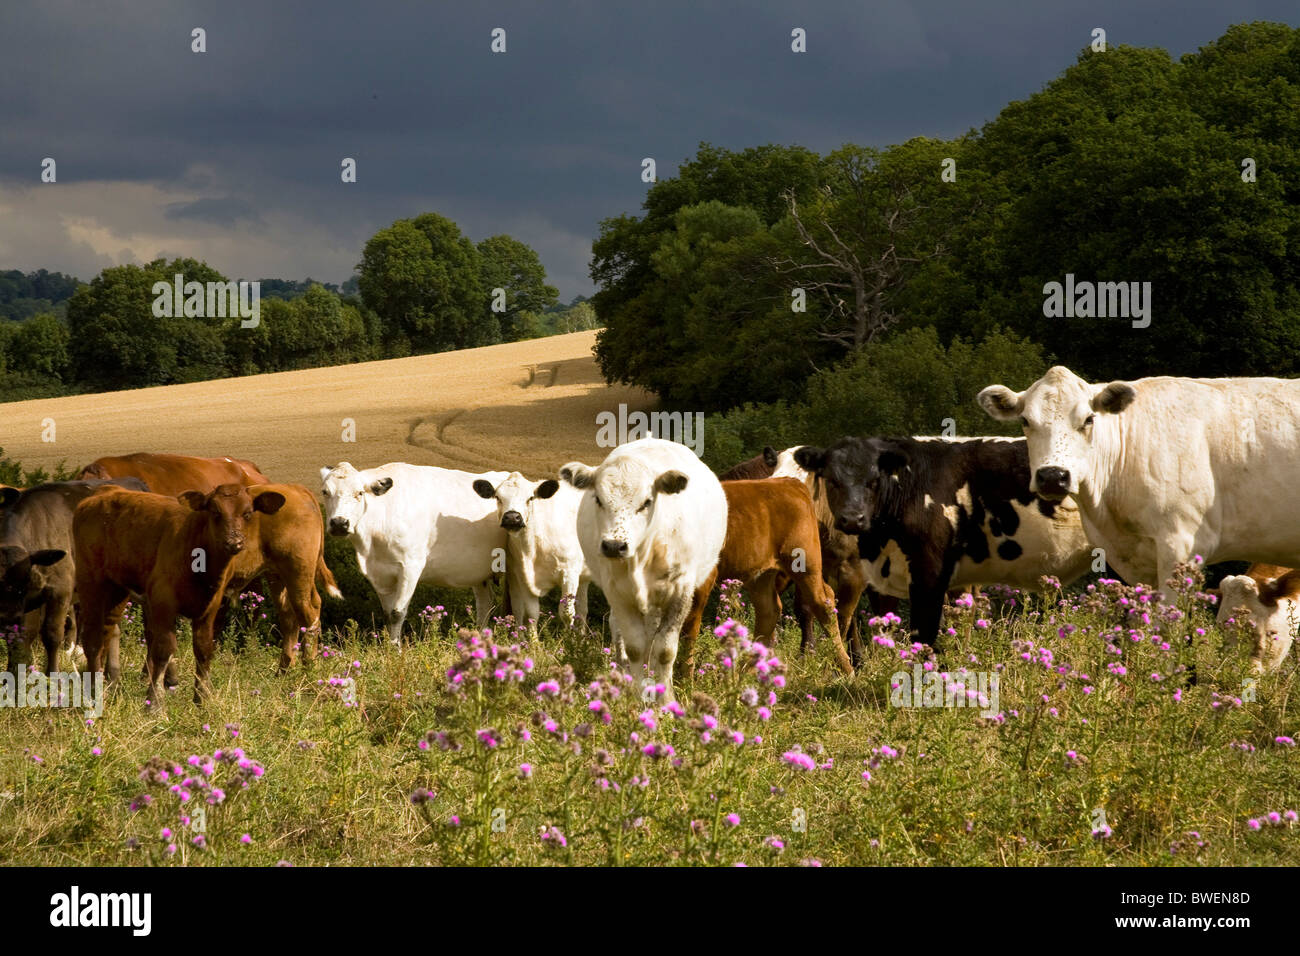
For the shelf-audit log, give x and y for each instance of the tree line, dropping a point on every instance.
(762, 284)
(421, 286)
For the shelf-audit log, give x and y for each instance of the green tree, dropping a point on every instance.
(40, 346)
(117, 342)
(422, 277)
(508, 264)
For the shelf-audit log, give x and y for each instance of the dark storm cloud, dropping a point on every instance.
(220, 212)
(541, 142)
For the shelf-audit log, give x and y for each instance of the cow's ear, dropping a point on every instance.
(1113, 398)
(769, 456)
(484, 488)
(578, 474)
(547, 488)
(325, 472)
(892, 461)
(268, 502)
(381, 486)
(810, 458)
(9, 497)
(1001, 403)
(48, 556)
(671, 483)
(196, 500)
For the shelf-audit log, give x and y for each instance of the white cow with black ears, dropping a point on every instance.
(1166, 468)
(651, 523)
(413, 523)
(540, 519)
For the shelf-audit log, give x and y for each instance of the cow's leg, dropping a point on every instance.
(680, 614)
(634, 638)
(813, 593)
(205, 645)
(570, 584)
(102, 607)
(54, 623)
(580, 599)
(397, 598)
(160, 644)
(847, 596)
(690, 627)
(927, 607)
(484, 603)
(298, 607)
(1170, 553)
(20, 643)
(767, 606)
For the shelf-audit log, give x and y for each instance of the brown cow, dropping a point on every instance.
(772, 539)
(283, 546)
(290, 548)
(175, 474)
(179, 553)
(760, 466)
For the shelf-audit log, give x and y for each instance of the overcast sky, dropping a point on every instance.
(233, 156)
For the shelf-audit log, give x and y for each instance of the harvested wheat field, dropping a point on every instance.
(528, 406)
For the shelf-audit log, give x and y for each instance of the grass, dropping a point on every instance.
(1089, 760)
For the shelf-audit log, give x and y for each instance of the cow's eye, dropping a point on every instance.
(1087, 423)
(644, 506)
(598, 502)
(248, 516)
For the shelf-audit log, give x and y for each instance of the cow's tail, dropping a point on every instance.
(325, 577)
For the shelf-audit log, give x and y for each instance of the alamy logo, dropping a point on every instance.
(58, 689)
(685, 428)
(963, 688)
(1101, 300)
(134, 910)
(210, 300)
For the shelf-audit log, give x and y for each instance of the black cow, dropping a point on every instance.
(36, 565)
(935, 514)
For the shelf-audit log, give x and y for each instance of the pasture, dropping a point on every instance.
(1112, 729)
(1101, 751)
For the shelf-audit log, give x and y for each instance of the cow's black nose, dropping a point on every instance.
(512, 520)
(338, 526)
(613, 549)
(1053, 482)
(851, 521)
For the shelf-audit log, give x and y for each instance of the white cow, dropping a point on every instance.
(1166, 468)
(651, 523)
(413, 523)
(1270, 597)
(540, 519)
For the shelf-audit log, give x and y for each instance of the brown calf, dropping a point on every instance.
(177, 552)
(772, 539)
(294, 597)
(289, 546)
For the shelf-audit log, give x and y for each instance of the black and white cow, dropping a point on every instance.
(935, 514)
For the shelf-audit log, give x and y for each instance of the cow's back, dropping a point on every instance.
(1209, 458)
(435, 512)
(42, 516)
(172, 475)
(122, 535)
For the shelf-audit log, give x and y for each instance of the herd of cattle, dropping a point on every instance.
(1150, 472)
